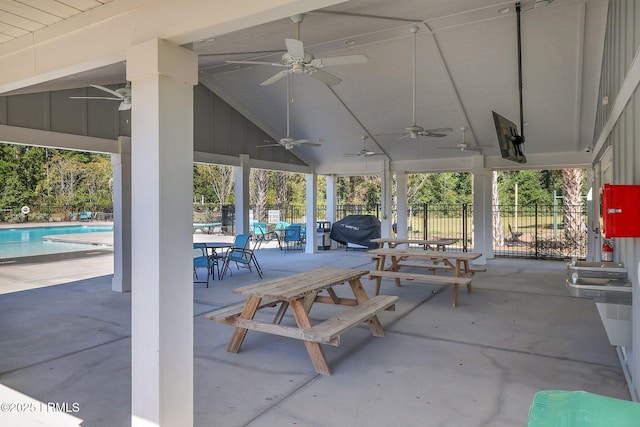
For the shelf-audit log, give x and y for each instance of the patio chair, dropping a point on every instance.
(259, 234)
(293, 238)
(241, 254)
(279, 231)
(201, 259)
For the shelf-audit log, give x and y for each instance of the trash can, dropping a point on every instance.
(323, 229)
(228, 219)
(558, 408)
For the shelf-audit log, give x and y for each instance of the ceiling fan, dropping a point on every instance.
(364, 152)
(414, 131)
(288, 142)
(122, 94)
(462, 146)
(296, 60)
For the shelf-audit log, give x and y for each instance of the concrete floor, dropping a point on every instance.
(65, 337)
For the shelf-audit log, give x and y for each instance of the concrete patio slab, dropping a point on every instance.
(479, 364)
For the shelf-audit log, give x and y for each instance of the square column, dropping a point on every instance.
(242, 174)
(482, 214)
(162, 76)
(121, 165)
(312, 209)
(332, 197)
(385, 182)
(401, 183)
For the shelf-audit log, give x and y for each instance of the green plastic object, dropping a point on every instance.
(559, 408)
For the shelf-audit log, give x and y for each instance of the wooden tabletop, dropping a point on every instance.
(414, 241)
(419, 253)
(296, 286)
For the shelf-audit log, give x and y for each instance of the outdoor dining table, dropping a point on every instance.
(300, 292)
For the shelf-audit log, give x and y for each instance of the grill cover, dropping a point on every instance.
(356, 229)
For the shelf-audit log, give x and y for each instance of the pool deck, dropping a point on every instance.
(479, 364)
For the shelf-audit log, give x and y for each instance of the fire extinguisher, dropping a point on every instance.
(607, 251)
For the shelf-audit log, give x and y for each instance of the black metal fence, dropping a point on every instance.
(541, 231)
(531, 231)
(54, 213)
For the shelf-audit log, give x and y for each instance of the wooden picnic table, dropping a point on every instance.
(457, 262)
(300, 291)
(434, 244)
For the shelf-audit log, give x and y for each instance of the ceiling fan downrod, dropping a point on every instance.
(518, 10)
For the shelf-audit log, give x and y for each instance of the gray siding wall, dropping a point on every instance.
(218, 128)
(621, 47)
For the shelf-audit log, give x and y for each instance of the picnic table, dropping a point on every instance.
(433, 244)
(300, 291)
(457, 262)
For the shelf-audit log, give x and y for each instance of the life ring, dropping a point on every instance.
(25, 210)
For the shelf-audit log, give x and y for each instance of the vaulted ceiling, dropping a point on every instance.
(466, 66)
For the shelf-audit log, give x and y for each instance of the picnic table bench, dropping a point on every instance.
(457, 262)
(300, 291)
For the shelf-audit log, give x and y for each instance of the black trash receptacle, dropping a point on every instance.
(228, 219)
(323, 228)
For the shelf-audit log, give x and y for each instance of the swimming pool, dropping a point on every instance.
(21, 242)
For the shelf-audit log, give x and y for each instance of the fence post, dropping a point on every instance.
(465, 231)
(425, 221)
(536, 231)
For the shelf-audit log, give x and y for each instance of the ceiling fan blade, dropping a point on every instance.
(340, 60)
(295, 48)
(273, 64)
(241, 53)
(270, 145)
(431, 134)
(439, 130)
(275, 78)
(95, 97)
(308, 144)
(323, 76)
(351, 154)
(404, 136)
(106, 89)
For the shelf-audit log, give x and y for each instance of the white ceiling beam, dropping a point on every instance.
(102, 35)
(65, 141)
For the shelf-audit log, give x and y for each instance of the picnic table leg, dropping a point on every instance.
(249, 310)
(361, 297)
(395, 267)
(462, 272)
(281, 311)
(380, 267)
(316, 354)
(456, 273)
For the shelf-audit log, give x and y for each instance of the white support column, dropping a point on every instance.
(312, 209)
(482, 214)
(332, 197)
(242, 174)
(386, 205)
(162, 76)
(121, 165)
(401, 183)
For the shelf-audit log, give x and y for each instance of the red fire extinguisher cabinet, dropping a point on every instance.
(621, 210)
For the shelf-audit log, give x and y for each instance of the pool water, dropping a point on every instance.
(21, 242)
